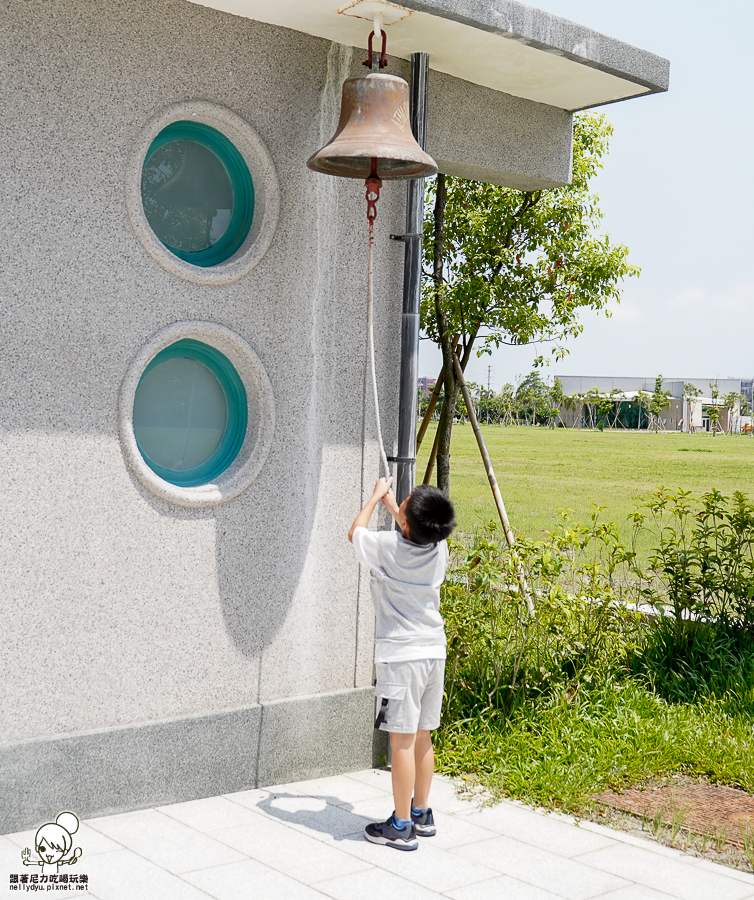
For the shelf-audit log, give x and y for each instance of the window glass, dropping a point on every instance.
(197, 193)
(190, 413)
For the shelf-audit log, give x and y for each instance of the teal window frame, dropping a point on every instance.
(235, 397)
(241, 184)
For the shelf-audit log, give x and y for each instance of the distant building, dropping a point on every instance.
(427, 385)
(681, 414)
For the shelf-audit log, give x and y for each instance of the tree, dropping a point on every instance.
(691, 394)
(422, 401)
(592, 401)
(556, 399)
(713, 411)
(507, 267)
(730, 401)
(487, 404)
(504, 403)
(660, 400)
(617, 396)
(642, 401)
(533, 397)
(576, 403)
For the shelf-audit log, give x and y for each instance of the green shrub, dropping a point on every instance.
(623, 671)
(703, 555)
(697, 659)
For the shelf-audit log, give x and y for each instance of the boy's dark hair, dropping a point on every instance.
(430, 515)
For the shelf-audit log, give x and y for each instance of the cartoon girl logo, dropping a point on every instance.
(54, 843)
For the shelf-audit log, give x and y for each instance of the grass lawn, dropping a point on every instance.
(542, 469)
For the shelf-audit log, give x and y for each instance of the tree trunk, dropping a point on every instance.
(443, 448)
(445, 426)
(447, 343)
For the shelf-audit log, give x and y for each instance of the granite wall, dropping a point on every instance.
(153, 652)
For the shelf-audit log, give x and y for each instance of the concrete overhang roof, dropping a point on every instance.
(500, 44)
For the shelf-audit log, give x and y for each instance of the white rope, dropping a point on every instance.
(370, 330)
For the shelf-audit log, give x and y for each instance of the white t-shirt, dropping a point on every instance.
(405, 588)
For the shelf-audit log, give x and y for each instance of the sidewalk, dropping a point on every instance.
(304, 840)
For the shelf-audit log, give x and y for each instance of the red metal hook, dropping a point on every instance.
(383, 54)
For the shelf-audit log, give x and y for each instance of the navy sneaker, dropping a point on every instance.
(424, 823)
(386, 833)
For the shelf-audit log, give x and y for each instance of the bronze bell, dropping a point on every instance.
(374, 125)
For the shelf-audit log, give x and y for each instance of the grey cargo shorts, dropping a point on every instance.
(413, 690)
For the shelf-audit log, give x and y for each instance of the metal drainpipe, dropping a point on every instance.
(412, 266)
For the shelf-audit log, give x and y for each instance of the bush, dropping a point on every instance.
(497, 654)
(697, 659)
(704, 555)
(622, 672)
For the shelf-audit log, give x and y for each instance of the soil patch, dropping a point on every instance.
(689, 805)
(711, 821)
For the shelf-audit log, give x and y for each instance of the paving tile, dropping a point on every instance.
(166, 842)
(545, 870)
(452, 831)
(643, 843)
(456, 831)
(431, 867)
(444, 797)
(548, 832)
(638, 892)
(10, 861)
(22, 838)
(290, 851)
(375, 777)
(277, 789)
(312, 816)
(376, 809)
(671, 876)
(247, 798)
(209, 814)
(710, 866)
(124, 875)
(501, 888)
(249, 879)
(340, 790)
(10, 857)
(375, 884)
(90, 840)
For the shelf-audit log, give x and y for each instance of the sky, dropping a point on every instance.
(678, 189)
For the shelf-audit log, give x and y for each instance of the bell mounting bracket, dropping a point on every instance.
(383, 53)
(404, 238)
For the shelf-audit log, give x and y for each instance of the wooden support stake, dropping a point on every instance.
(433, 403)
(493, 484)
(432, 458)
(428, 414)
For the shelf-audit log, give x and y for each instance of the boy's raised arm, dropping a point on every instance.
(391, 505)
(362, 520)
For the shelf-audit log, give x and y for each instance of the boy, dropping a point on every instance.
(407, 568)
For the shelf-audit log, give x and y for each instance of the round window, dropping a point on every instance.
(189, 413)
(197, 193)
